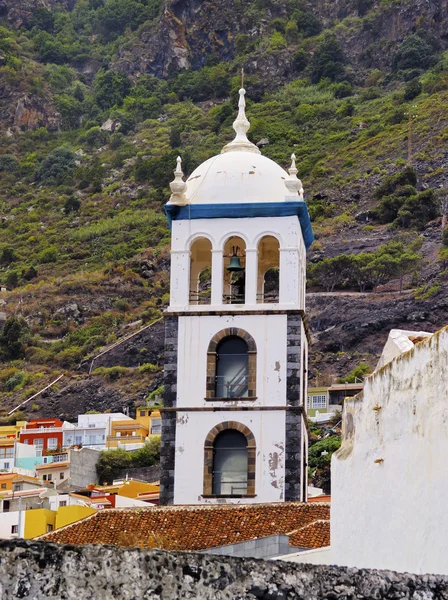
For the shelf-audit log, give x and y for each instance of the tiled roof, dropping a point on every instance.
(314, 535)
(56, 465)
(193, 527)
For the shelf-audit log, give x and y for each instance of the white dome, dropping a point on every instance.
(236, 177)
(240, 174)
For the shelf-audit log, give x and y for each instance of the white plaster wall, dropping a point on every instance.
(195, 334)
(292, 257)
(7, 520)
(390, 477)
(25, 450)
(124, 502)
(6, 464)
(191, 430)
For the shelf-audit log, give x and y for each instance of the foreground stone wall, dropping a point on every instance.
(38, 570)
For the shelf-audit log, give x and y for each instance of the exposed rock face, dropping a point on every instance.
(21, 112)
(188, 32)
(42, 570)
(18, 12)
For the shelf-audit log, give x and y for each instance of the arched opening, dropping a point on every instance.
(268, 282)
(231, 365)
(234, 271)
(201, 271)
(230, 463)
(229, 460)
(232, 368)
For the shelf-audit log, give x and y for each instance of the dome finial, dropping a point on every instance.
(241, 126)
(178, 186)
(293, 183)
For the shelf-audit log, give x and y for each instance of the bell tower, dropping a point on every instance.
(236, 339)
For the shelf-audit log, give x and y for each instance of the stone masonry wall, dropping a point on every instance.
(293, 417)
(37, 570)
(168, 443)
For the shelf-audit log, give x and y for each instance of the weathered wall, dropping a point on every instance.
(389, 478)
(41, 570)
(83, 467)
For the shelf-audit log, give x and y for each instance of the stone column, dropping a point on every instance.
(289, 277)
(251, 275)
(180, 278)
(217, 277)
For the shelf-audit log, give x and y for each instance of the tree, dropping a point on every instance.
(42, 19)
(111, 463)
(328, 61)
(110, 88)
(11, 339)
(414, 53)
(333, 271)
(356, 374)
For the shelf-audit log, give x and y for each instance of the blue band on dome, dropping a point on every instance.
(244, 210)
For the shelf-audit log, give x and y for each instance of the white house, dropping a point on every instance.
(236, 343)
(91, 431)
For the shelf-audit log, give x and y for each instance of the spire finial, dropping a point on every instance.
(292, 182)
(241, 126)
(178, 186)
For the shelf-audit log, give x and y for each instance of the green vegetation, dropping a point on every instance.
(112, 462)
(84, 177)
(396, 259)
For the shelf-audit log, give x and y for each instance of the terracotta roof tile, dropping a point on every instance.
(195, 527)
(314, 535)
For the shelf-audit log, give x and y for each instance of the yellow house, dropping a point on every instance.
(42, 520)
(146, 424)
(8, 435)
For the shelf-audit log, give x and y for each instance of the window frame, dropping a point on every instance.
(212, 356)
(209, 458)
(316, 401)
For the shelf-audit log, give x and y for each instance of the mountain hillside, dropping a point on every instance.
(98, 97)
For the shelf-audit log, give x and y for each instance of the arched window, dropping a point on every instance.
(230, 461)
(232, 368)
(268, 270)
(234, 271)
(200, 271)
(231, 365)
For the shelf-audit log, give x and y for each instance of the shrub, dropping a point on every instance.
(413, 89)
(356, 374)
(326, 446)
(16, 381)
(11, 338)
(69, 358)
(300, 60)
(8, 163)
(72, 204)
(49, 255)
(56, 167)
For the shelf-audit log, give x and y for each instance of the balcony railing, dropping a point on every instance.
(126, 438)
(268, 298)
(200, 298)
(233, 299)
(233, 386)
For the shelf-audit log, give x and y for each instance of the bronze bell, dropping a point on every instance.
(235, 262)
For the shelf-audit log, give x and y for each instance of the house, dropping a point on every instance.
(10, 481)
(44, 434)
(9, 435)
(198, 528)
(236, 351)
(54, 473)
(389, 477)
(131, 434)
(324, 401)
(91, 430)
